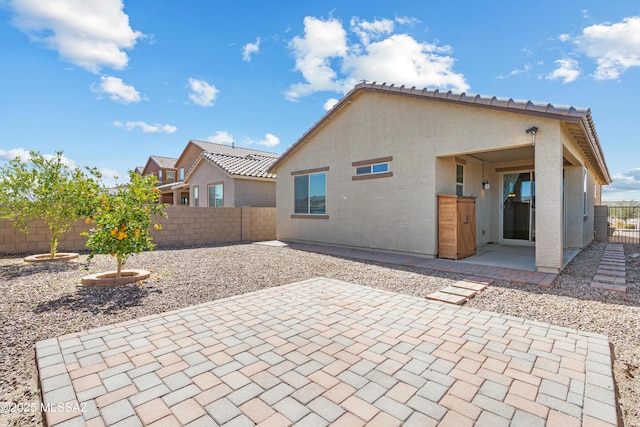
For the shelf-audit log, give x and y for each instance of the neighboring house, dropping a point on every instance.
(139, 170)
(163, 168)
(220, 175)
(369, 172)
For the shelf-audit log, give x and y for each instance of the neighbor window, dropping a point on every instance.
(310, 193)
(160, 176)
(459, 180)
(370, 169)
(196, 197)
(171, 176)
(215, 196)
(181, 174)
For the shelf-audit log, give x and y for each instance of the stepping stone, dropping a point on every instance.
(478, 279)
(605, 272)
(609, 287)
(470, 285)
(448, 298)
(467, 293)
(609, 279)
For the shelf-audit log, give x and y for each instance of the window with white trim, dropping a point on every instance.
(181, 174)
(372, 169)
(196, 198)
(216, 196)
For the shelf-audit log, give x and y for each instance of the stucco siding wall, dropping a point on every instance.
(251, 192)
(205, 175)
(398, 213)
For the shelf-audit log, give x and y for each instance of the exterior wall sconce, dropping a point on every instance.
(532, 130)
(486, 185)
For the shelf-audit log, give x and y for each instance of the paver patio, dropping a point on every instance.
(323, 352)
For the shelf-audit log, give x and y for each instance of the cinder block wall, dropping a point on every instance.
(263, 224)
(183, 226)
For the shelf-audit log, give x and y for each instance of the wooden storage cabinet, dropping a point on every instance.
(456, 226)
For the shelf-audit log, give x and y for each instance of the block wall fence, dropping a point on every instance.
(183, 226)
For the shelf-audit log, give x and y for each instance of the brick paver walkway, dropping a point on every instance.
(324, 352)
(611, 274)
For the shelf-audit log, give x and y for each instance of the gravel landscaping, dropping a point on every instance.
(41, 301)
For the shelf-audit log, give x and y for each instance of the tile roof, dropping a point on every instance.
(165, 162)
(232, 150)
(250, 165)
(585, 135)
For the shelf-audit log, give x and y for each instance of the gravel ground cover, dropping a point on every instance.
(40, 301)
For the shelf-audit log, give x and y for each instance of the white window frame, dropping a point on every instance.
(361, 170)
(219, 184)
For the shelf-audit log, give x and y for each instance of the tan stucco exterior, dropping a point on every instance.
(426, 138)
(237, 191)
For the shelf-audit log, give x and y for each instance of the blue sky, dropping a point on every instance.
(111, 82)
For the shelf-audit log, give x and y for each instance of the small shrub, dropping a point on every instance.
(122, 219)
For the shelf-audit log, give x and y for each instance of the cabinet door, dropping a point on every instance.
(466, 227)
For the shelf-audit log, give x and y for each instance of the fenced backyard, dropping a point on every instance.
(623, 223)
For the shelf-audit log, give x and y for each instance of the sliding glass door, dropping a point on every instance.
(518, 206)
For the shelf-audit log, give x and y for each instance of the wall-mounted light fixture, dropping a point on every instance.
(485, 183)
(532, 130)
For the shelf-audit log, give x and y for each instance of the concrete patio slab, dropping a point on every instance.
(325, 352)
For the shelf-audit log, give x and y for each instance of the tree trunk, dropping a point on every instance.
(119, 272)
(54, 246)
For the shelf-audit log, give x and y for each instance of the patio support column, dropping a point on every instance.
(573, 187)
(176, 197)
(548, 207)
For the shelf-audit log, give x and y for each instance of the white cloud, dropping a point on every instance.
(15, 152)
(89, 33)
(568, 70)
(116, 90)
(329, 103)
(202, 93)
(269, 140)
(109, 173)
(328, 60)
(367, 30)
(402, 59)
(623, 182)
(221, 137)
(564, 37)
(322, 41)
(146, 128)
(250, 49)
(24, 155)
(614, 47)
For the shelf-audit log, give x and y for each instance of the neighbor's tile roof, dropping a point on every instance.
(232, 150)
(250, 165)
(165, 162)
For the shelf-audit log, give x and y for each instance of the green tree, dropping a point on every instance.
(122, 219)
(625, 210)
(45, 188)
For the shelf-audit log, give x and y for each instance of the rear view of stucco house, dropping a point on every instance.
(164, 168)
(368, 173)
(226, 176)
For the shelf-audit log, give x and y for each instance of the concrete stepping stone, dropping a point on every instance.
(611, 274)
(467, 293)
(448, 298)
(463, 284)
